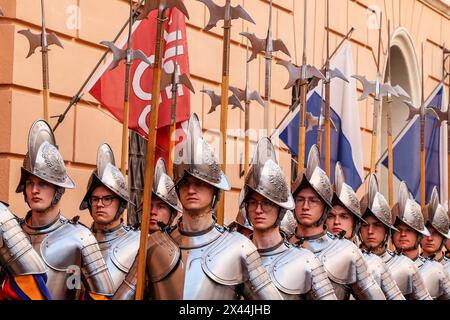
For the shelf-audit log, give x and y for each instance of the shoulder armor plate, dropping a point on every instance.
(402, 270)
(162, 255)
(433, 274)
(16, 253)
(291, 271)
(221, 261)
(339, 260)
(63, 247)
(124, 253)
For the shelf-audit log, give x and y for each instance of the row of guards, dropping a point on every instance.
(159, 103)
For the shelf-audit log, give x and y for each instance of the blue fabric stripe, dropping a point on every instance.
(341, 148)
(407, 154)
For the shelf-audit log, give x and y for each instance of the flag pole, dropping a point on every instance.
(43, 40)
(303, 93)
(377, 104)
(162, 6)
(226, 13)
(389, 127)
(126, 103)
(268, 73)
(173, 106)
(247, 115)
(422, 140)
(292, 108)
(327, 101)
(224, 101)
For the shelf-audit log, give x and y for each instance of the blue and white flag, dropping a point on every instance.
(406, 148)
(346, 140)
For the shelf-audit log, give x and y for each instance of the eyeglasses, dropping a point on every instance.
(312, 202)
(266, 205)
(106, 200)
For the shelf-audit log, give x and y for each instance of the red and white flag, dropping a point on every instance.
(109, 86)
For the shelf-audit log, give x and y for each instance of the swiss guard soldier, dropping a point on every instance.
(374, 235)
(242, 225)
(296, 272)
(343, 261)
(106, 199)
(20, 264)
(411, 226)
(166, 206)
(68, 248)
(436, 278)
(199, 259)
(404, 271)
(344, 218)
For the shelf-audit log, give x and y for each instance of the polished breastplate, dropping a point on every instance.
(119, 248)
(344, 264)
(436, 279)
(62, 257)
(73, 258)
(190, 278)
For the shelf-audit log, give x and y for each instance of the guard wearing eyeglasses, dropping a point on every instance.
(199, 259)
(106, 199)
(68, 248)
(296, 272)
(342, 260)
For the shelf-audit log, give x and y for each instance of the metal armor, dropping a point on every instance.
(436, 279)
(345, 266)
(119, 248)
(107, 174)
(297, 273)
(376, 203)
(211, 265)
(288, 224)
(409, 211)
(437, 215)
(267, 178)
(197, 158)
(406, 275)
(163, 186)
(345, 196)
(72, 256)
(17, 255)
(446, 263)
(419, 261)
(313, 176)
(43, 159)
(382, 276)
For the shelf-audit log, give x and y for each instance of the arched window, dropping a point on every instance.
(405, 72)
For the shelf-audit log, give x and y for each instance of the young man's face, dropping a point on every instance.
(262, 213)
(430, 245)
(309, 207)
(195, 194)
(373, 232)
(340, 219)
(404, 239)
(160, 211)
(104, 204)
(39, 193)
